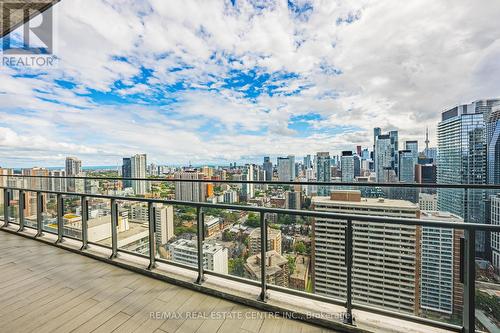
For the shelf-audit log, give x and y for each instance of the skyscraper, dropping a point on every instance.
(386, 155)
(413, 147)
(268, 168)
(307, 162)
(73, 169)
(291, 158)
(323, 171)
(407, 163)
(127, 171)
(285, 167)
(462, 160)
(495, 236)
(492, 123)
(138, 166)
(189, 191)
(386, 260)
(347, 166)
(248, 190)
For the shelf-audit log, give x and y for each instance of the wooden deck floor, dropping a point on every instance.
(48, 289)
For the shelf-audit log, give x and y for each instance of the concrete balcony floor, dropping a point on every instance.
(48, 289)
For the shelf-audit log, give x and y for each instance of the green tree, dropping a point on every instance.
(253, 220)
(300, 247)
(236, 266)
(291, 264)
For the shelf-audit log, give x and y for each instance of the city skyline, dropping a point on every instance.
(223, 90)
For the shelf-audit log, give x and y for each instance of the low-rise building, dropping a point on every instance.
(299, 278)
(277, 271)
(214, 255)
(273, 240)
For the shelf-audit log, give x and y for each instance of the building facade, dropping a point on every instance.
(184, 251)
(386, 155)
(440, 284)
(323, 172)
(189, 191)
(462, 152)
(383, 275)
(138, 165)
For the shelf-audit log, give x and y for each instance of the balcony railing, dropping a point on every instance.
(467, 244)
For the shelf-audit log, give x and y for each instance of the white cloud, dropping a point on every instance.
(401, 64)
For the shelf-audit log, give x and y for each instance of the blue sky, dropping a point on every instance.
(223, 81)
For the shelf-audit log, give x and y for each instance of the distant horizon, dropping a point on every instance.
(256, 160)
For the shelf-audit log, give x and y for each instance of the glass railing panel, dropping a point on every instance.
(99, 221)
(30, 209)
(13, 208)
(182, 247)
(232, 242)
(49, 213)
(487, 262)
(72, 216)
(132, 227)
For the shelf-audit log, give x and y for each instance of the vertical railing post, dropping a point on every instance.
(85, 218)
(60, 213)
(22, 206)
(200, 229)
(114, 226)
(263, 251)
(469, 317)
(348, 264)
(6, 204)
(152, 234)
(39, 214)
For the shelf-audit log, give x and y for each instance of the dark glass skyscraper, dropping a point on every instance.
(268, 168)
(127, 171)
(462, 152)
(323, 172)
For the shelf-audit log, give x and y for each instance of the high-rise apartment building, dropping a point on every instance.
(73, 168)
(189, 191)
(385, 154)
(293, 199)
(386, 256)
(249, 174)
(323, 171)
(492, 124)
(127, 171)
(307, 162)
(407, 162)
(495, 236)
(347, 166)
(412, 145)
(441, 290)
(164, 218)
(138, 167)
(286, 168)
(462, 159)
(268, 168)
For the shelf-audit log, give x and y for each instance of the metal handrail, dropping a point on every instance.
(468, 260)
(285, 211)
(265, 182)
